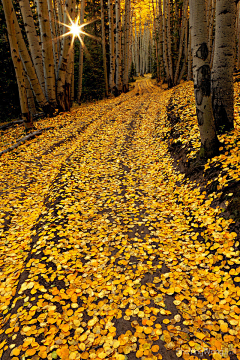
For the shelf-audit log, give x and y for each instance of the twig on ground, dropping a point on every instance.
(22, 140)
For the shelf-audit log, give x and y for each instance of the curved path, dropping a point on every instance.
(98, 239)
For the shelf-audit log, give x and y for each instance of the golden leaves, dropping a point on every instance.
(98, 266)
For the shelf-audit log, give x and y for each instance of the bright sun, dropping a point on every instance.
(75, 29)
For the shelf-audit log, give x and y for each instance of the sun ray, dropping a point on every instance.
(76, 29)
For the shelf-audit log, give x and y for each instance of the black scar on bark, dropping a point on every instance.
(203, 87)
(200, 117)
(202, 52)
(224, 12)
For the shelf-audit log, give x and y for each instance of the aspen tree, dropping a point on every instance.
(189, 75)
(136, 49)
(156, 40)
(130, 43)
(165, 48)
(33, 40)
(30, 97)
(53, 33)
(112, 49)
(160, 31)
(169, 44)
(80, 68)
(238, 36)
(8, 11)
(30, 70)
(118, 48)
(69, 81)
(201, 78)
(181, 43)
(210, 26)
(223, 65)
(126, 44)
(104, 49)
(62, 85)
(47, 51)
(57, 27)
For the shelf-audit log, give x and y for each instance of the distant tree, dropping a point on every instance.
(132, 73)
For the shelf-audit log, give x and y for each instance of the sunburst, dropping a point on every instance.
(76, 28)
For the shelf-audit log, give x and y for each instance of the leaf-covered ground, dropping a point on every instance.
(108, 250)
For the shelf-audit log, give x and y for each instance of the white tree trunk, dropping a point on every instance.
(80, 69)
(211, 25)
(53, 33)
(169, 45)
(126, 44)
(201, 77)
(30, 70)
(33, 40)
(104, 49)
(63, 91)
(181, 42)
(8, 11)
(47, 51)
(223, 65)
(112, 50)
(118, 47)
(165, 47)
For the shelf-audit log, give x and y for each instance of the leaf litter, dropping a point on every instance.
(107, 250)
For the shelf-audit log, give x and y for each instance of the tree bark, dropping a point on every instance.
(169, 45)
(202, 81)
(118, 48)
(126, 45)
(9, 11)
(47, 51)
(165, 55)
(223, 65)
(33, 40)
(30, 70)
(80, 69)
(63, 82)
(238, 36)
(111, 45)
(104, 49)
(180, 47)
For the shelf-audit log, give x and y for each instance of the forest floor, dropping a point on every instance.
(116, 241)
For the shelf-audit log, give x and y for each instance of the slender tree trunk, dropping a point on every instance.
(165, 48)
(202, 79)
(189, 76)
(180, 48)
(210, 27)
(30, 70)
(238, 36)
(80, 69)
(169, 45)
(33, 40)
(104, 49)
(126, 45)
(156, 41)
(63, 81)
(57, 28)
(112, 50)
(160, 40)
(223, 65)
(53, 33)
(8, 11)
(47, 51)
(118, 48)
(30, 97)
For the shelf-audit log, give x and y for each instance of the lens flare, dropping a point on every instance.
(75, 29)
